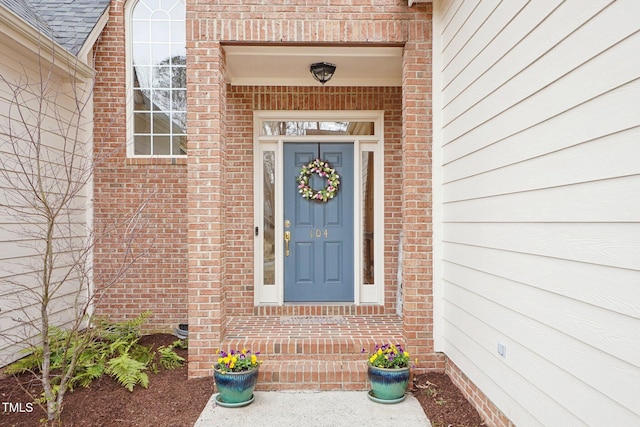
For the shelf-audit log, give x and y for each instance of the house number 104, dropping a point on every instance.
(318, 233)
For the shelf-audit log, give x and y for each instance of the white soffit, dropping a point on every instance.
(289, 65)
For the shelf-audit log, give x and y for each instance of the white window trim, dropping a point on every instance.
(128, 13)
(371, 294)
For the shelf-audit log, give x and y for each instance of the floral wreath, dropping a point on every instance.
(323, 170)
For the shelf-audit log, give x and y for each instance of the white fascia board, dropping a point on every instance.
(85, 50)
(41, 45)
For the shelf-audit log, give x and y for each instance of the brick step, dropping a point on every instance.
(312, 375)
(272, 338)
(309, 348)
(321, 355)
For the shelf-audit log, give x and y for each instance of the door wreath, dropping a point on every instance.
(324, 170)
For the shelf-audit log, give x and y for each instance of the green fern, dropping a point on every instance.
(128, 330)
(181, 344)
(85, 376)
(169, 359)
(141, 353)
(29, 363)
(128, 371)
(107, 347)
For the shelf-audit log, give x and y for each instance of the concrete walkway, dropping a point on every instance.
(315, 409)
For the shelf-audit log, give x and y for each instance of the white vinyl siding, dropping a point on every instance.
(537, 130)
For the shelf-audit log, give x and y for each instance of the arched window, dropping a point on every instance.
(158, 78)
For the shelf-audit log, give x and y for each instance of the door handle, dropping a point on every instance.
(287, 238)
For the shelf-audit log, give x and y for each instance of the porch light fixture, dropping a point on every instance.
(322, 71)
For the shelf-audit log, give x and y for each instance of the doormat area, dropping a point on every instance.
(312, 320)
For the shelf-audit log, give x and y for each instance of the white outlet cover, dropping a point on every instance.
(502, 349)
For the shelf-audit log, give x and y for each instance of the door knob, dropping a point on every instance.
(287, 238)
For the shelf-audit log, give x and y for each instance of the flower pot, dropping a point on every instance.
(235, 388)
(182, 331)
(388, 384)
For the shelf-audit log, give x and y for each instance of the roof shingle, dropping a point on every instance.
(68, 22)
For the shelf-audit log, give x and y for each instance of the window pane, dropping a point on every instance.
(178, 31)
(178, 75)
(160, 30)
(179, 58)
(161, 124)
(141, 100)
(141, 76)
(178, 121)
(161, 77)
(317, 128)
(268, 162)
(160, 53)
(142, 123)
(141, 11)
(367, 218)
(141, 54)
(179, 100)
(141, 31)
(162, 100)
(142, 145)
(161, 145)
(179, 145)
(153, 4)
(176, 9)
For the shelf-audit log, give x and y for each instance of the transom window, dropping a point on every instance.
(158, 78)
(270, 128)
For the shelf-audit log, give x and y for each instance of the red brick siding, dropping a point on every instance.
(158, 282)
(241, 103)
(206, 105)
(384, 21)
(417, 201)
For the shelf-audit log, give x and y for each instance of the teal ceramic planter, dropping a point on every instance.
(389, 384)
(235, 387)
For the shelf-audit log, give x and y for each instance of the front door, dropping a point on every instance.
(318, 266)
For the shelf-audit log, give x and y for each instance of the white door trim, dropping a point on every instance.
(273, 294)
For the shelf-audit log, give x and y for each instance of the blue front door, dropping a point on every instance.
(319, 264)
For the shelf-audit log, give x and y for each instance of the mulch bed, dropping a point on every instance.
(173, 401)
(443, 402)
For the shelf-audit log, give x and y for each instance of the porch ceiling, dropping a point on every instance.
(289, 65)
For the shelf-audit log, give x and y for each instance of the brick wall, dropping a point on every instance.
(211, 24)
(417, 232)
(241, 103)
(207, 188)
(158, 281)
